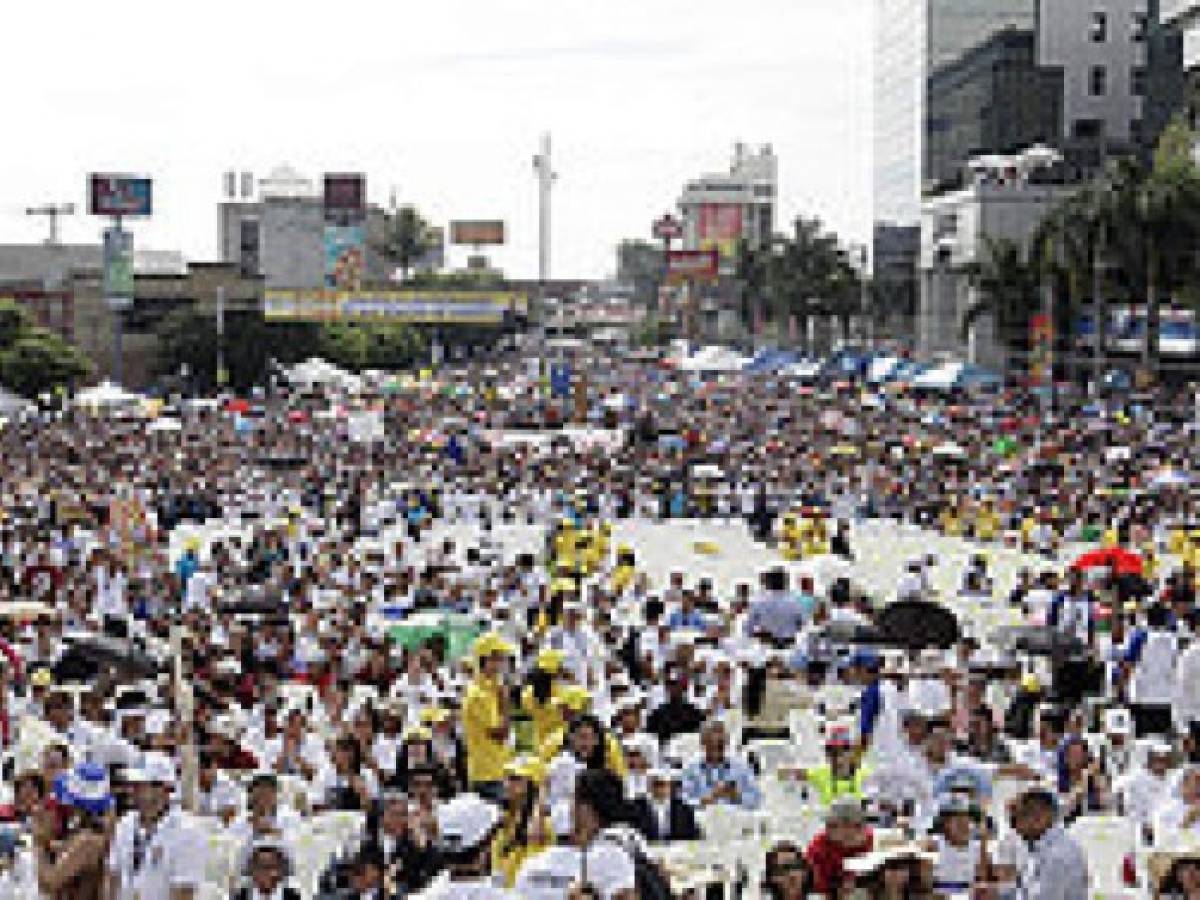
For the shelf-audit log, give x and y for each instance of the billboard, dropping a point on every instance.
(345, 256)
(345, 197)
(477, 233)
(415, 306)
(118, 268)
(720, 228)
(119, 195)
(682, 264)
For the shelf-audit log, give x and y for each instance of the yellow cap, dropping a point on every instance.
(434, 715)
(575, 698)
(1030, 683)
(417, 733)
(563, 586)
(550, 660)
(491, 643)
(41, 678)
(624, 548)
(526, 767)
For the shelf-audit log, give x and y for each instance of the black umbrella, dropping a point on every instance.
(918, 625)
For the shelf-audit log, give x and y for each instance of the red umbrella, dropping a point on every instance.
(1121, 561)
(237, 405)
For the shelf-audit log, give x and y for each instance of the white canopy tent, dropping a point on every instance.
(714, 359)
(107, 395)
(316, 372)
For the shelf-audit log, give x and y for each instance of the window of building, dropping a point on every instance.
(1139, 26)
(1135, 131)
(1099, 27)
(1137, 81)
(1086, 129)
(1099, 81)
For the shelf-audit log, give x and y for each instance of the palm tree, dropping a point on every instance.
(1007, 285)
(1064, 240)
(407, 237)
(751, 274)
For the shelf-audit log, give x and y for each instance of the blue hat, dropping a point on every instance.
(86, 788)
(865, 658)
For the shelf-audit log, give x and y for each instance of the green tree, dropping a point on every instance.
(1007, 285)
(751, 274)
(406, 238)
(37, 360)
(14, 321)
(188, 336)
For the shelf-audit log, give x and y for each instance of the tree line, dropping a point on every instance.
(1130, 235)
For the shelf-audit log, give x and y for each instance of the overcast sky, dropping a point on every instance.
(445, 100)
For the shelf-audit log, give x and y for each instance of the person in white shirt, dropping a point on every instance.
(156, 851)
(1143, 790)
(1185, 700)
(264, 817)
(1149, 664)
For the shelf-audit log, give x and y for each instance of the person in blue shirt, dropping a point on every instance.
(687, 616)
(186, 567)
(864, 666)
(716, 777)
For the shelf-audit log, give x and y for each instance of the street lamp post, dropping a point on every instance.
(667, 229)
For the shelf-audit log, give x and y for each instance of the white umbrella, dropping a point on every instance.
(949, 449)
(165, 423)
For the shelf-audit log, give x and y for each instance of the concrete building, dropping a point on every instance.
(721, 208)
(957, 79)
(954, 229)
(1184, 16)
(278, 232)
(1099, 47)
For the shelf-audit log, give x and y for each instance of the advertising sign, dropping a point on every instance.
(683, 264)
(1041, 351)
(118, 268)
(415, 306)
(345, 197)
(477, 233)
(720, 228)
(668, 228)
(345, 256)
(119, 195)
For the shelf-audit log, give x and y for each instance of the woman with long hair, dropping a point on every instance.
(1082, 786)
(523, 831)
(786, 873)
(348, 784)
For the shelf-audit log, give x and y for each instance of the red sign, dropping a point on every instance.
(720, 227)
(668, 228)
(683, 264)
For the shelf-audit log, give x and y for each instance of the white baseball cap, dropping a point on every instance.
(156, 768)
(465, 822)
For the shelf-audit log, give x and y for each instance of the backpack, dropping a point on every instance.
(650, 882)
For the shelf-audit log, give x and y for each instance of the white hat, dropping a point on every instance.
(876, 859)
(156, 768)
(466, 822)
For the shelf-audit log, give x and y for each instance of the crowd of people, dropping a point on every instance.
(230, 636)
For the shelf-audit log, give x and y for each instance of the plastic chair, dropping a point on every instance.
(683, 747)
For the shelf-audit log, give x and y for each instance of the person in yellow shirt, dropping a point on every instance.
(987, 523)
(524, 831)
(538, 696)
(485, 717)
(625, 571)
(950, 522)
